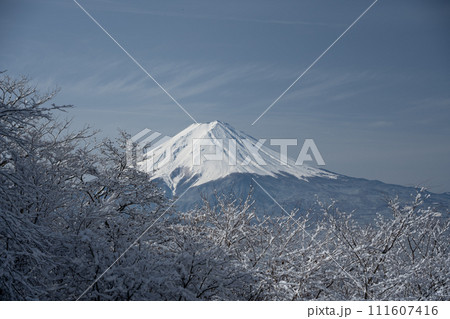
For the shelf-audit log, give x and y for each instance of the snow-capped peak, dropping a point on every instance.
(205, 152)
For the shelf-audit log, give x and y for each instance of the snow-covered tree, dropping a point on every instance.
(69, 206)
(400, 257)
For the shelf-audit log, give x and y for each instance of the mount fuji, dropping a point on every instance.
(214, 158)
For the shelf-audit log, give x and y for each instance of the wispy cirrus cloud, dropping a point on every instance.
(329, 86)
(182, 79)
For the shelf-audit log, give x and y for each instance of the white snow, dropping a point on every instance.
(180, 166)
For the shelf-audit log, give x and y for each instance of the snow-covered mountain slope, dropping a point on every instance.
(176, 160)
(180, 171)
(361, 197)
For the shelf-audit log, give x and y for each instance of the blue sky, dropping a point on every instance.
(377, 104)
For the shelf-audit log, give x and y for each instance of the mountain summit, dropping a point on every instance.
(206, 152)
